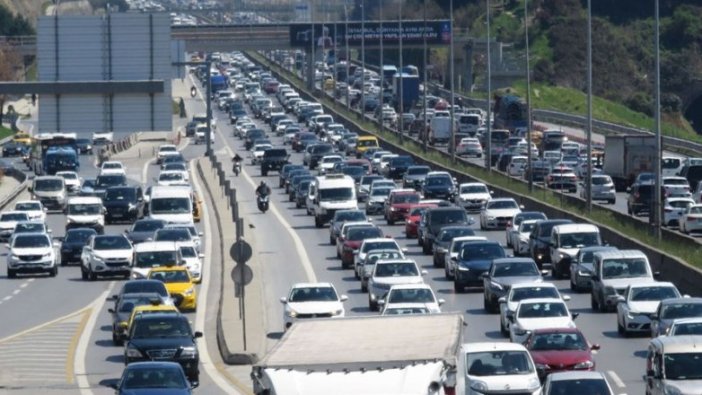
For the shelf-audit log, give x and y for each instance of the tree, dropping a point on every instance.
(10, 61)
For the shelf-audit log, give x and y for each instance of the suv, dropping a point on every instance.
(50, 190)
(437, 218)
(32, 253)
(398, 204)
(613, 272)
(85, 212)
(540, 239)
(125, 203)
(566, 241)
(163, 336)
(273, 159)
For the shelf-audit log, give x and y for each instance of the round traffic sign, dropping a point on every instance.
(240, 251)
(242, 274)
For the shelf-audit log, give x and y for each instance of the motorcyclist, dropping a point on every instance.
(263, 189)
(236, 160)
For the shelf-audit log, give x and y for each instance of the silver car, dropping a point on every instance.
(602, 189)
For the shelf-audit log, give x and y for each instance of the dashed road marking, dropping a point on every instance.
(618, 381)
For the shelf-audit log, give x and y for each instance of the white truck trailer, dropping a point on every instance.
(388, 355)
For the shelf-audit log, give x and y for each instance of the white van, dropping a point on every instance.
(566, 242)
(468, 123)
(328, 194)
(173, 204)
(496, 368)
(152, 254)
(673, 365)
(671, 165)
(85, 212)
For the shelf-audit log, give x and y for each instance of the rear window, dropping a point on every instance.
(275, 152)
(448, 216)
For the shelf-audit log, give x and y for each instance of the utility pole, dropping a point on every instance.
(488, 139)
(379, 109)
(402, 81)
(363, 59)
(423, 131)
(588, 178)
(528, 98)
(657, 206)
(452, 143)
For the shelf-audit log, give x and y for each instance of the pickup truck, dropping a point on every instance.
(103, 138)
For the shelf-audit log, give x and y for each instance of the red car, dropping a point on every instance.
(412, 218)
(398, 204)
(562, 349)
(351, 241)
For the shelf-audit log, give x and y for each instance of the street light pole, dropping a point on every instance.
(348, 58)
(657, 165)
(401, 81)
(452, 143)
(488, 139)
(528, 98)
(588, 178)
(423, 131)
(363, 59)
(379, 109)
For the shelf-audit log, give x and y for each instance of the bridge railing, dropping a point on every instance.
(21, 41)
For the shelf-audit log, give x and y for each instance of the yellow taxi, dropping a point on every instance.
(148, 309)
(179, 285)
(329, 83)
(363, 143)
(22, 138)
(197, 207)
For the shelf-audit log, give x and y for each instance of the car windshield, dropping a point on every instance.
(188, 252)
(362, 233)
(686, 328)
(448, 216)
(404, 198)
(9, 217)
(367, 143)
(447, 235)
(28, 206)
(579, 240)
(79, 235)
(31, 241)
(175, 167)
(110, 180)
(418, 211)
(313, 294)
(479, 252)
(167, 149)
(111, 165)
(173, 234)
(353, 170)
(403, 269)
(416, 171)
(335, 194)
(558, 341)
(421, 295)
(170, 276)
(437, 181)
(501, 205)
(474, 189)
(141, 286)
(332, 159)
(580, 386)
(624, 268)
(153, 377)
(161, 328)
(367, 180)
(681, 310)
(515, 269)
(120, 194)
(381, 191)
(601, 180)
(84, 209)
(155, 258)
(526, 227)
(342, 216)
(48, 184)
(170, 176)
(377, 245)
(111, 243)
(26, 227)
(641, 294)
(127, 304)
(519, 294)
(373, 256)
(147, 226)
(170, 206)
(498, 363)
(683, 366)
(542, 310)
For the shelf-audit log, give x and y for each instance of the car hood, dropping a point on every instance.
(646, 307)
(437, 187)
(156, 391)
(509, 281)
(402, 206)
(502, 212)
(475, 196)
(314, 307)
(178, 288)
(621, 283)
(8, 224)
(571, 252)
(84, 219)
(395, 280)
(117, 203)
(124, 254)
(685, 386)
(514, 382)
(588, 267)
(479, 264)
(560, 357)
(184, 218)
(140, 236)
(31, 251)
(72, 245)
(161, 342)
(549, 322)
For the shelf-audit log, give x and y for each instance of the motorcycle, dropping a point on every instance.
(262, 201)
(237, 168)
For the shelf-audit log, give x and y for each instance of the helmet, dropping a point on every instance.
(263, 183)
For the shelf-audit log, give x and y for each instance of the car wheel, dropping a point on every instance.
(621, 330)
(11, 273)
(364, 287)
(116, 341)
(83, 273)
(573, 287)
(486, 307)
(91, 275)
(332, 240)
(447, 273)
(613, 201)
(373, 306)
(503, 329)
(593, 302)
(318, 222)
(391, 221)
(426, 248)
(53, 272)
(458, 287)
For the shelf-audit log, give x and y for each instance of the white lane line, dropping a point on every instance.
(616, 379)
(205, 358)
(6, 298)
(299, 246)
(24, 284)
(79, 364)
(15, 292)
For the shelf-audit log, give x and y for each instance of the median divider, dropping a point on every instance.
(684, 275)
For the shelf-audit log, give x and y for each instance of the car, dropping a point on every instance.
(122, 312)
(102, 182)
(560, 350)
(312, 300)
(371, 244)
(112, 167)
(85, 212)
(174, 234)
(8, 221)
(472, 196)
(102, 137)
(365, 183)
(257, 152)
(350, 241)
(435, 219)
(179, 284)
(686, 326)
(397, 167)
(469, 146)
(540, 240)
(676, 186)
(365, 266)
(517, 165)
(532, 314)
(413, 216)
(512, 229)
(30, 227)
(165, 150)
(143, 286)
(439, 185)
(32, 253)
(341, 217)
(414, 176)
(581, 267)
(442, 241)
(34, 209)
(691, 220)
(566, 241)
(640, 198)
(285, 171)
(602, 188)
(376, 199)
(72, 180)
(123, 203)
(155, 307)
(639, 301)
(188, 255)
(472, 262)
(144, 229)
(497, 213)
(502, 274)
(327, 163)
(106, 255)
(195, 234)
(579, 382)
(143, 377)
(87, 188)
(73, 242)
(388, 273)
(411, 295)
(674, 208)
(523, 291)
(670, 310)
(13, 148)
(166, 337)
(172, 178)
(613, 272)
(520, 240)
(398, 203)
(291, 175)
(85, 146)
(174, 159)
(562, 178)
(489, 367)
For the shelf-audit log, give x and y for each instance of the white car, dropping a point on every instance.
(172, 178)
(405, 309)
(523, 291)
(327, 163)
(520, 242)
(497, 213)
(686, 326)
(674, 208)
(676, 186)
(691, 220)
(512, 229)
(387, 273)
(257, 152)
(195, 235)
(192, 259)
(112, 167)
(312, 300)
(201, 134)
(639, 302)
(367, 245)
(533, 314)
(491, 367)
(34, 209)
(516, 166)
(103, 137)
(106, 255)
(32, 253)
(165, 150)
(8, 221)
(71, 179)
(415, 295)
(473, 195)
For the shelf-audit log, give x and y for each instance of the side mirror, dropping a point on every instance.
(197, 334)
(471, 221)
(510, 316)
(656, 274)
(595, 278)
(194, 384)
(484, 275)
(595, 347)
(283, 300)
(454, 259)
(574, 315)
(521, 207)
(502, 300)
(344, 298)
(621, 299)
(424, 272)
(381, 302)
(201, 256)
(114, 386)
(200, 234)
(544, 272)
(404, 250)
(441, 301)
(566, 298)
(30, 189)
(628, 189)
(111, 310)
(653, 316)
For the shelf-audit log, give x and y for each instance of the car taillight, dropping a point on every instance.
(509, 224)
(449, 390)
(637, 195)
(668, 210)
(691, 219)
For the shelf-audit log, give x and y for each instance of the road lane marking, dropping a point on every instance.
(24, 285)
(6, 298)
(72, 347)
(616, 379)
(15, 292)
(81, 350)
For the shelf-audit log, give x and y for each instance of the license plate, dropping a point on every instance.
(117, 215)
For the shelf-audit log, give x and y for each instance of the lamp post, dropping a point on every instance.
(363, 58)
(528, 98)
(379, 109)
(452, 143)
(588, 178)
(402, 81)
(348, 56)
(488, 152)
(423, 131)
(657, 207)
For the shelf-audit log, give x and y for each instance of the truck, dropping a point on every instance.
(510, 112)
(217, 83)
(410, 91)
(439, 130)
(52, 152)
(389, 355)
(626, 156)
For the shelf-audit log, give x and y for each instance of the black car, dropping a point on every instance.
(398, 166)
(319, 151)
(414, 176)
(435, 219)
(13, 148)
(171, 159)
(253, 135)
(355, 172)
(285, 171)
(123, 311)
(106, 181)
(124, 203)
(73, 243)
(273, 159)
(442, 242)
(301, 191)
(295, 181)
(140, 286)
(153, 378)
(144, 229)
(164, 337)
(293, 174)
(85, 146)
(438, 186)
(640, 198)
(540, 240)
(473, 261)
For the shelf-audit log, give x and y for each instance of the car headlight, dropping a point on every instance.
(518, 330)
(533, 384)
(490, 217)
(496, 285)
(131, 207)
(670, 390)
(338, 312)
(97, 258)
(47, 255)
(189, 291)
(188, 352)
(133, 352)
(69, 220)
(478, 385)
(136, 275)
(291, 313)
(631, 314)
(14, 257)
(584, 365)
(608, 290)
(463, 268)
(584, 273)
